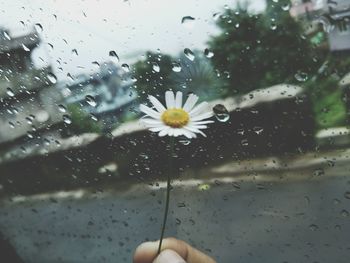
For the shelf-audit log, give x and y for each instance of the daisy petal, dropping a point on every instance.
(201, 122)
(164, 132)
(198, 126)
(157, 129)
(151, 121)
(190, 102)
(178, 132)
(199, 108)
(202, 116)
(169, 99)
(188, 134)
(149, 111)
(194, 130)
(157, 104)
(178, 100)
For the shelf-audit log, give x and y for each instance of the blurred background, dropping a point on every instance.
(82, 181)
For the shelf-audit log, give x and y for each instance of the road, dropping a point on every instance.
(277, 216)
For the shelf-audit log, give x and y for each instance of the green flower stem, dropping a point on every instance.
(168, 187)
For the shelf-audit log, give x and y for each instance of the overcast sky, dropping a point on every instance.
(95, 27)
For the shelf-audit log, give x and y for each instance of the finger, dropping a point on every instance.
(169, 256)
(147, 252)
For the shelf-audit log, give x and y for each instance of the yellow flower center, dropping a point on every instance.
(176, 118)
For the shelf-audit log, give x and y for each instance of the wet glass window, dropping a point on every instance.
(204, 131)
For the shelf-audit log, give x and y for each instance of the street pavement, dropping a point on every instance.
(269, 210)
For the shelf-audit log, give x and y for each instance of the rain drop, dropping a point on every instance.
(285, 7)
(7, 36)
(10, 92)
(75, 52)
(25, 48)
(258, 130)
(126, 67)
(326, 24)
(176, 67)
(184, 141)
(189, 54)
(90, 100)
(67, 119)
(62, 108)
(301, 76)
(344, 213)
(313, 227)
(155, 67)
(347, 195)
(188, 21)
(208, 53)
(114, 55)
(93, 117)
(30, 135)
(52, 78)
(39, 27)
(216, 16)
(221, 113)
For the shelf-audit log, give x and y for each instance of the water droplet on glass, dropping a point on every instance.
(6, 35)
(258, 130)
(301, 76)
(318, 172)
(244, 142)
(216, 16)
(126, 67)
(25, 48)
(91, 100)
(114, 55)
(326, 24)
(285, 7)
(93, 117)
(176, 67)
(10, 92)
(237, 25)
(75, 51)
(313, 227)
(344, 213)
(29, 120)
(52, 78)
(67, 119)
(155, 67)
(96, 64)
(30, 135)
(62, 108)
(221, 113)
(189, 54)
(273, 26)
(39, 27)
(347, 195)
(12, 125)
(188, 21)
(184, 141)
(208, 53)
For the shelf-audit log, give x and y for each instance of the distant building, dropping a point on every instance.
(27, 99)
(105, 95)
(333, 14)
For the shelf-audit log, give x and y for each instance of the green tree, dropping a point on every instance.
(158, 73)
(260, 50)
(81, 121)
(152, 74)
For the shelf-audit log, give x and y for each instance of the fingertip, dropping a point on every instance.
(169, 256)
(145, 252)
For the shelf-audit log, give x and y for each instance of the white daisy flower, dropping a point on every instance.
(176, 119)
